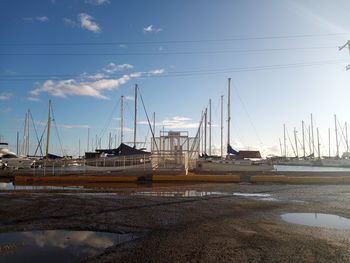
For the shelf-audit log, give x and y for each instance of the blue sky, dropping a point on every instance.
(306, 74)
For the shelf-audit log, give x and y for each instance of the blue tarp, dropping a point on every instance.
(230, 150)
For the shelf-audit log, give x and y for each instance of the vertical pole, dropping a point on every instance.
(205, 131)
(336, 134)
(312, 135)
(318, 145)
(154, 130)
(24, 135)
(346, 137)
(88, 140)
(329, 142)
(281, 149)
(28, 138)
(228, 111)
(296, 143)
(109, 141)
(310, 144)
(121, 119)
(303, 132)
(17, 143)
(79, 150)
(202, 134)
(222, 127)
(135, 117)
(209, 127)
(48, 131)
(285, 140)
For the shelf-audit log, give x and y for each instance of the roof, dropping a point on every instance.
(249, 154)
(123, 150)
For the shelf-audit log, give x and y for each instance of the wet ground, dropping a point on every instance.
(190, 223)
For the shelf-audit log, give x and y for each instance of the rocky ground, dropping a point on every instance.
(213, 228)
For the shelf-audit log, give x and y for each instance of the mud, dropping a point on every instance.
(209, 228)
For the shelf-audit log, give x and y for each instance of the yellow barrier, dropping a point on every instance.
(300, 179)
(196, 178)
(77, 178)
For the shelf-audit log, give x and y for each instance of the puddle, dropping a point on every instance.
(10, 186)
(186, 193)
(317, 219)
(251, 194)
(56, 245)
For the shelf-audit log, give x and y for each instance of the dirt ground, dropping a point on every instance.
(214, 228)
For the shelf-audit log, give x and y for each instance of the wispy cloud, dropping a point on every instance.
(177, 122)
(70, 22)
(86, 21)
(97, 2)
(94, 85)
(151, 29)
(5, 96)
(112, 67)
(38, 18)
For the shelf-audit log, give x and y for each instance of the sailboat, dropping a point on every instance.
(10, 160)
(235, 161)
(125, 159)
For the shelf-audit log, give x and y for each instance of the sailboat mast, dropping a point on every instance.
(285, 140)
(228, 111)
(346, 137)
(296, 143)
(209, 127)
(312, 135)
(135, 117)
(48, 131)
(205, 130)
(303, 133)
(121, 119)
(222, 126)
(329, 142)
(336, 134)
(318, 144)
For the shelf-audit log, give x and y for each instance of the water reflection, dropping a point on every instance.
(56, 245)
(317, 219)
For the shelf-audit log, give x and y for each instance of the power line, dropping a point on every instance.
(174, 41)
(187, 73)
(160, 53)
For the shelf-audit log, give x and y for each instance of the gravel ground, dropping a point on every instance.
(221, 227)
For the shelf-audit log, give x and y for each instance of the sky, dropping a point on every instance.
(282, 57)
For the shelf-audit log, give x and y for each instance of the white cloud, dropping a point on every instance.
(111, 67)
(42, 18)
(5, 96)
(129, 98)
(33, 99)
(177, 122)
(151, 29)
(38, 18)
(86, 21)
(92, 85)
(70, 22)
(97, 2)
(156, 72)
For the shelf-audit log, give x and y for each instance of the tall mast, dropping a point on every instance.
(346, 137)
(88, 139)
(121, 119)
(17, 143)
(209, 127)
(312, 135)
(24, 135)
(154, 128)
(329, 142)
(281, 146)
(228, 111)
(285, 140)
(222, 126)
(27, 142)
(79, 149)
(318, 144)
(135, 117)
(48, 131)
(303, 133)
(205, 130)
(296, 143)
(336, 134)
(310, 146)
